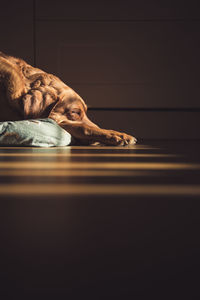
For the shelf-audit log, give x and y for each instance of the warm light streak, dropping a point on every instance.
(88, 189)
(85, 155)
(98, 165)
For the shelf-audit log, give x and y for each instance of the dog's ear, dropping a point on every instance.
(36, 104)
(31, 104)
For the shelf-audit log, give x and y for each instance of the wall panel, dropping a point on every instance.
(16, 29)
(124, 64)
(151, 124)
(127, 54)
(117, 9)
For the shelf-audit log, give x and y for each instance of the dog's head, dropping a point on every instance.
(71, 110)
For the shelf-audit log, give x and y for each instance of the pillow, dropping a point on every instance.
(37, 133)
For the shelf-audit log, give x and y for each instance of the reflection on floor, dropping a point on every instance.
(100, 222)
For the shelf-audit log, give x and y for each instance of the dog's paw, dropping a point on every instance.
(119, 139)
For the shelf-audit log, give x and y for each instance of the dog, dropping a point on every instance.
(27, 92)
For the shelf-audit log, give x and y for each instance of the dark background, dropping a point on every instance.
(135, 63)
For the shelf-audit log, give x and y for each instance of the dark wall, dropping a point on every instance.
(135, 63)
(16, 28)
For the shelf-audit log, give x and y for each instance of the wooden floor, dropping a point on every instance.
(100, 222)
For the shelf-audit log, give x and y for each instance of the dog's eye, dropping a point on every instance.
(74, 114)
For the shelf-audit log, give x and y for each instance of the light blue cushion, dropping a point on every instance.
(37, 133)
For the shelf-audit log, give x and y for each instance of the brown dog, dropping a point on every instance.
(27, 92)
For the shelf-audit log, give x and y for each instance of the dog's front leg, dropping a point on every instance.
(91, 134)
